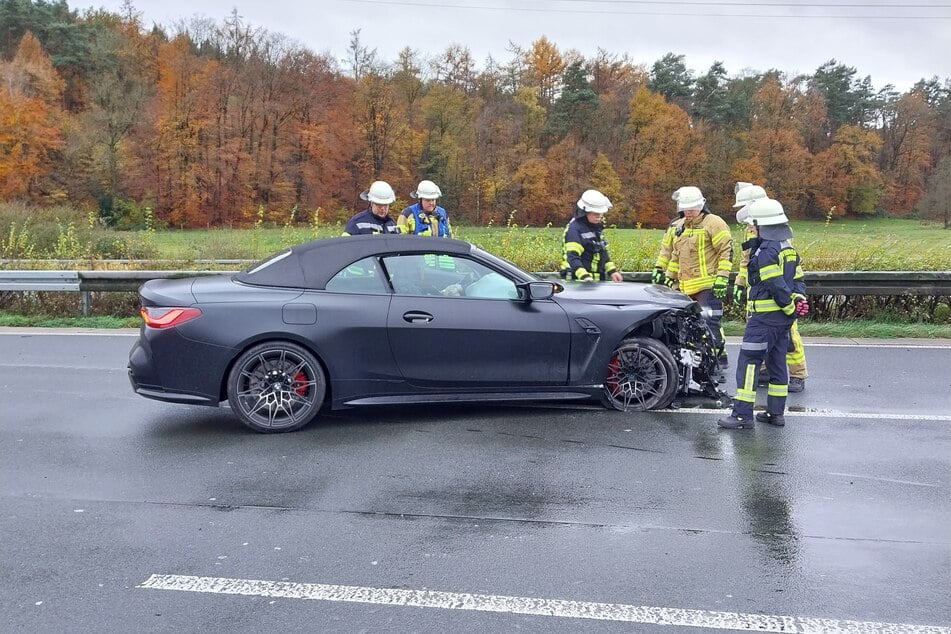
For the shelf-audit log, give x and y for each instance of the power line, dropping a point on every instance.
(719, 3)
(772, 16)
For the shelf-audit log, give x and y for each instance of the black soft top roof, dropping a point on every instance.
(312, 264)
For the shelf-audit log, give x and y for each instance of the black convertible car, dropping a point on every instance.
(376, 320)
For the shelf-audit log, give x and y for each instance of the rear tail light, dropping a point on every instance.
(165, 317)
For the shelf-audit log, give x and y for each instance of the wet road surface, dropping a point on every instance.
(123, 514)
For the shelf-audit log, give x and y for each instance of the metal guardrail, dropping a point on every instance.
(39, 280)
(849, 283)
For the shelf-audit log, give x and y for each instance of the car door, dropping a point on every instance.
(455, 322)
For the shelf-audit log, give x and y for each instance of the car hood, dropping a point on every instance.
(622, 294)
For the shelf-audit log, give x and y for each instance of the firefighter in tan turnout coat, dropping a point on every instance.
(697, 256)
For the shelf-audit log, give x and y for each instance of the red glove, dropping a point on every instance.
(802, 307)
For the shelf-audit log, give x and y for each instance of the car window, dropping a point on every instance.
(439, 274)
(363, 276)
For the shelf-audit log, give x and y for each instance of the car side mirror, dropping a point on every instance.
(535, 291)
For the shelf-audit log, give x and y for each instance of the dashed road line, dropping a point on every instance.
(679, 617)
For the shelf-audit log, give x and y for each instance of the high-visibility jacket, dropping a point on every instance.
(586, 252)
(413, 220)
(667, 244)
(775, 281)
(796, 355)
(366, 222)
(701, 252)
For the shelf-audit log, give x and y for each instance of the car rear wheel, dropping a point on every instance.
(276, 386)
(642, 375)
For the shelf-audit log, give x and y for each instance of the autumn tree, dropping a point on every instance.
(847, 172)
(606, 180)
(30, 122)
(776, 145)
(663, 153)
(119, 87)
(544, 66)
(907, 129)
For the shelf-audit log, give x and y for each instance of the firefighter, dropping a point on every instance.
(796, 355)
(775, 297)
(425, 218)
(586, 255)
(701, 258)
(376, 218)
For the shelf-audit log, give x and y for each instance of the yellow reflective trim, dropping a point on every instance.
(574, 247)
(777, 390)
(789, 309)
(696, 284)
(745, 395)
(344, 234)
(674, 267)
(720, 236)
(763, 306)
(581, 272)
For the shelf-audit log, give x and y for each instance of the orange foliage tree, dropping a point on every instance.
(30, 122)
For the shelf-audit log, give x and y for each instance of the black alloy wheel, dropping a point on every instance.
(642, 375)
(276, 386)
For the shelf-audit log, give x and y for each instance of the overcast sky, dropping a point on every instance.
(894, 41)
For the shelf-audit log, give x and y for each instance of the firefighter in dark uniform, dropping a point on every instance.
(375, 219)
(586, 255)
(775, 298)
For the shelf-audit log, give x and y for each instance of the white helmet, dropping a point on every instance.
(593, 201)
(689, 197)
(765, 212)
(749, 193)
(744, 196)
(380, 193)
(428, 190)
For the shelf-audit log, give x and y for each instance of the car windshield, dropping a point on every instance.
(505, 265)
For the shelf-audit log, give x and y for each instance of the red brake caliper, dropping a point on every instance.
(612, 374)
(300, 379)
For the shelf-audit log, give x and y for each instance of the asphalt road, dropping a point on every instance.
(120, 514)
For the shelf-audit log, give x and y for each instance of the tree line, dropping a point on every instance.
(224, 123)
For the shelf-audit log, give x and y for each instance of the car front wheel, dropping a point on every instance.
(642, 375)
(276, 386)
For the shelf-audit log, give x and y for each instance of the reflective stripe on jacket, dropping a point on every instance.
(585, 250)
(417, 222)
(776, 280)
(366, 222)
(702, 252)
(667, 244)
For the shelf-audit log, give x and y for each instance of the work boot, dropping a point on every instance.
(762, 380)
(796, 384)
(724, 361)
(770, 419)
(735, 422)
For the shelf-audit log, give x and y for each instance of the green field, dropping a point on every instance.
(842, 245)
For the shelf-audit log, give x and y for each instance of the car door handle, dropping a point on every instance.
(417, 317)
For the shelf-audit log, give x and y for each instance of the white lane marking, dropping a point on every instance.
(891, 480)
(815, 413)
(528, 605)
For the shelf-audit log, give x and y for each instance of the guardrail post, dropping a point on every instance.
(84, 302)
